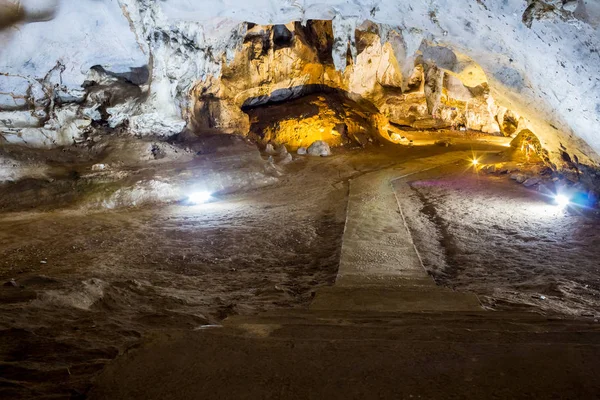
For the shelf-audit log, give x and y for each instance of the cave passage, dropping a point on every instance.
(296, 208)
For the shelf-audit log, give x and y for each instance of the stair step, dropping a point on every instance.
(407, 299)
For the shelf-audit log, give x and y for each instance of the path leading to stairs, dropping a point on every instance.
(380, 268)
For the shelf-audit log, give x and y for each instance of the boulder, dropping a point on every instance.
(319, 148)
(285, 159)
(301, 151)
(282, 150)
(269, 149)
(520, 178)
(98, 167)
(531, 182)
(395, 137)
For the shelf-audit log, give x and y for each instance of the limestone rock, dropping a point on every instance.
(519, 178)
(269, 149)
(110, 97)
(287, 62)
(301, 151)
(19, 120)
(154, 124)
(319, 148)
(206, 64)
(271, 169)
(330, 117)
(531, 182)
(570, 5)
(99, 167)
(285, 159)
(396, 137)
(282, 150)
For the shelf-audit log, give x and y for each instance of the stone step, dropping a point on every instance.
(455, 327)
(384, 298)
(392, 281)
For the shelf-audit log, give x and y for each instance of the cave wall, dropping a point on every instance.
(276, 63)
(44, 62)
(540, 58)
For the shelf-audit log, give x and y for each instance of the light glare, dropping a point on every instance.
(562, 200)
(199, 197)
(475, 161)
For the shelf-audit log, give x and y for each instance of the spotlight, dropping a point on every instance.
(199, 197)
(561, 200)
(475, 162)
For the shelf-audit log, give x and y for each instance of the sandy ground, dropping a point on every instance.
(81, 286)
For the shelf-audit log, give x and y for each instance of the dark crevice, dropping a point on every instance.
(280, 96)
(282, 37)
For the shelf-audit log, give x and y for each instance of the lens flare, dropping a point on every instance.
(199, 197)
(475, 162)
(561, 200)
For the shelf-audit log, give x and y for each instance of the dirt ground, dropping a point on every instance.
(81, 285)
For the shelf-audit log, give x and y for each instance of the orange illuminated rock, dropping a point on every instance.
(329, 117)
(279, 64)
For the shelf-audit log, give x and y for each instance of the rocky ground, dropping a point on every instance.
(82, 284)
(507, 240)
(99, 263)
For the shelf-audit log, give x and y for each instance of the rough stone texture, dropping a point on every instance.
(540, 59)
(284, 62)
(44, 65)
(531, 182)
(329, 117)
(319, 148)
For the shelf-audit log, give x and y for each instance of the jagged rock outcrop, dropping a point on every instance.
(279, 63)
(274, 63)
(539, 59)
(330, 116)
(549, 10)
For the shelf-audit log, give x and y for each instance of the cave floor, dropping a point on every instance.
(90, 285)
(383, 330)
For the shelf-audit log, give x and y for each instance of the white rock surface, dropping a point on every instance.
(80, 34)
(548, 73)
(319, 148)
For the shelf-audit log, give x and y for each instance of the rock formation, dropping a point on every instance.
(155, 68)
